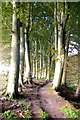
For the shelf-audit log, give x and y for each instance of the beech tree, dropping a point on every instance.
(12, 88)
(22, 17)
(28, 74)
(60, 22)
(77, 93)
(22, 56)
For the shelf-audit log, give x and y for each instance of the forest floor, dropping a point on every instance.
(37, 101)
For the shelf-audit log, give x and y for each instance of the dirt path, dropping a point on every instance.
(50, 102)
(41, 99)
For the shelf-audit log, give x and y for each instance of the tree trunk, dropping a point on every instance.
(44, 64)
(12, 88)
(63, 82)
(36, 60)
(28, 64)
(48, 67)
(62, 19)
(22, 56)
(77, 94)
(33, 59)
(60, 56)
(56, 26)
(27, 52)
(40, 60)
(33, 68)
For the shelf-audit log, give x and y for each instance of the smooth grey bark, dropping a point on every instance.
(36, 59)
(33, 68)
(49, 57)
(77, 94)
(40, 73)
(55, 26)
(61, 46)
(28, 64)
(12, 88)
(33, 61)
(28, 74)
(48, 67)
(63, 82)
(58, 66)
(22, 56)
(44, 64)
(40, 61)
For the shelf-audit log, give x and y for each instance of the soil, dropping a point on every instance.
(41, 97)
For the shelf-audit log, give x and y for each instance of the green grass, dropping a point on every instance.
(9, 115)
(27, 108)
(0, 93)
(50, 88)
(22, 103)
(26, 105)
(27, 113)
(44, 114)
(71, 113)
(4, 91)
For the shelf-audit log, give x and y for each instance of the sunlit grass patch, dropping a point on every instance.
(24, 111)
(26, 105)
(27, 109)
(71, 113)
(9, 115)
(43, 114)
(50, 88)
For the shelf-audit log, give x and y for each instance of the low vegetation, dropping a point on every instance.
(71, 113)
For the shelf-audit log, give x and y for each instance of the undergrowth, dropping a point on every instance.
(18, 114)
(44, 114)
(9, 115)
(71, 113)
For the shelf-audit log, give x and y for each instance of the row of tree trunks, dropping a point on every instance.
(19, 53)
(42, 63)
(60, 19)
(41, 67)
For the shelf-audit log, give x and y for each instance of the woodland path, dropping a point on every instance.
(46, 99)
(41, 97)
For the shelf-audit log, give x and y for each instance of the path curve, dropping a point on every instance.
(51, 102)
(47, 100)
